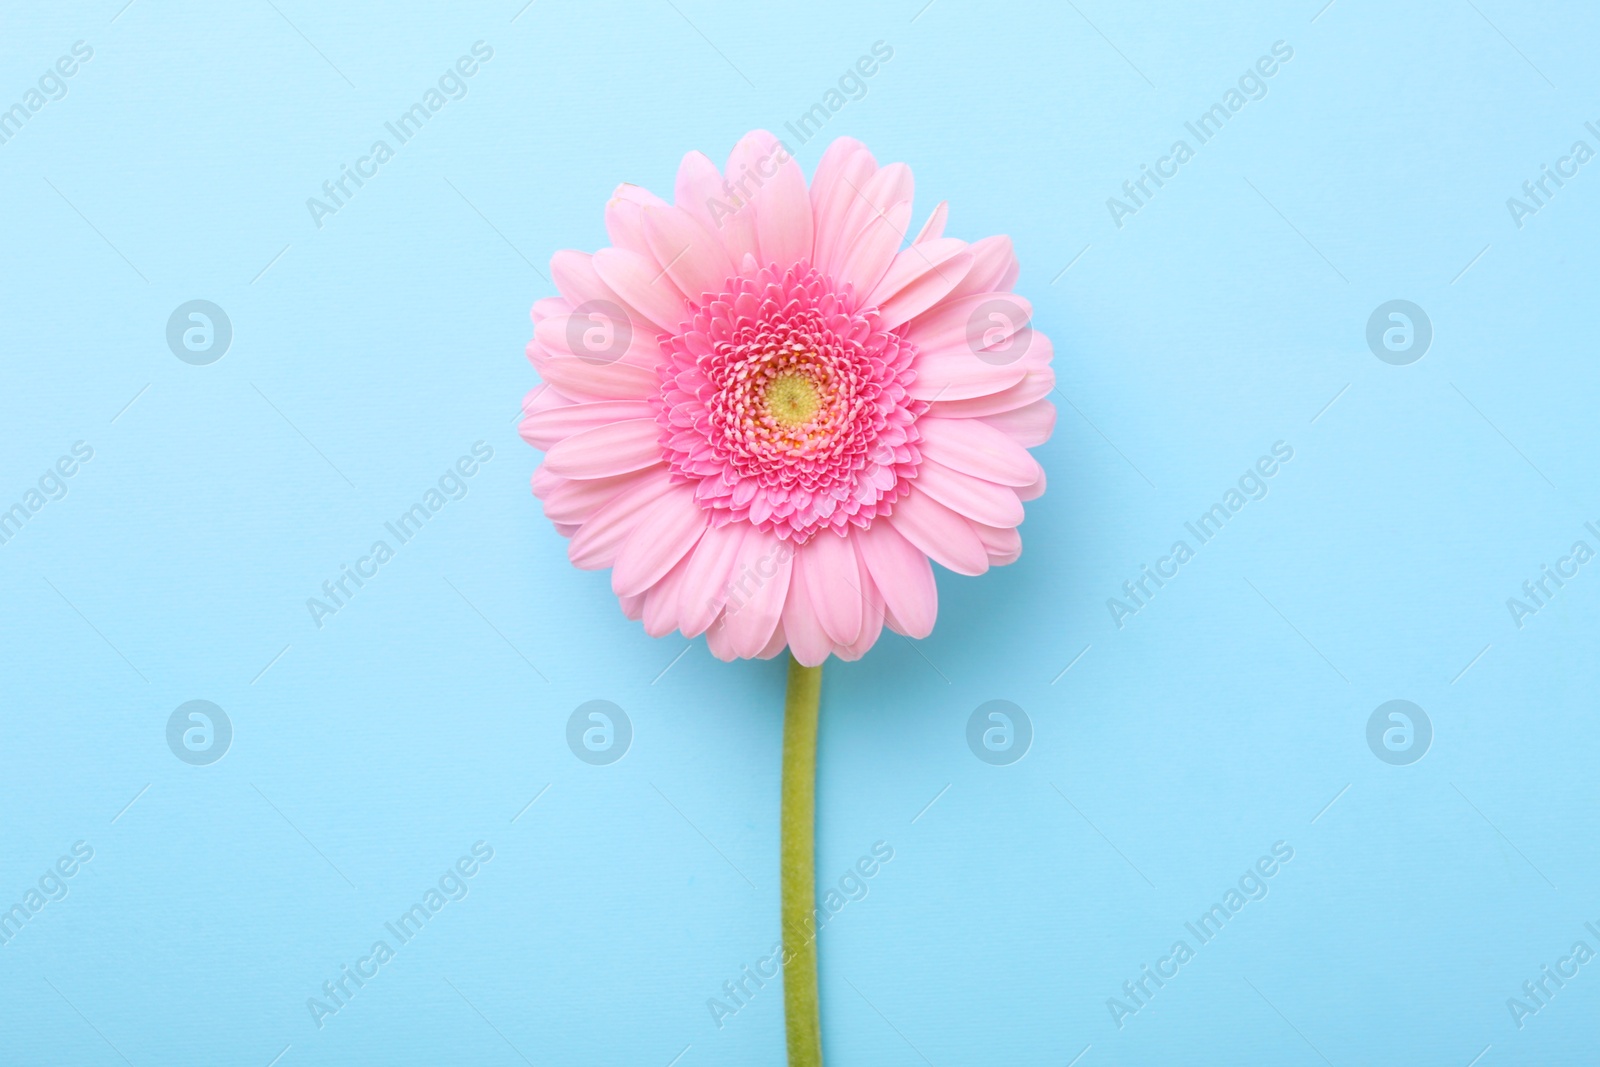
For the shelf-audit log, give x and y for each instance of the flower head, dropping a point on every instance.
(766, 416)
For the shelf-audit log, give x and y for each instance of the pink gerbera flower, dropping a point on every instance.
(766, 416)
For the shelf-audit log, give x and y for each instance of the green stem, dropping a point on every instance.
(797, 856)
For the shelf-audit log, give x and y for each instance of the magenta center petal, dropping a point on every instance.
(788, 406)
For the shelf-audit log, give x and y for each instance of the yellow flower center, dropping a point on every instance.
(792, 398)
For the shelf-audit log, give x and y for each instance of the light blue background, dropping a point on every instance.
(371, 353)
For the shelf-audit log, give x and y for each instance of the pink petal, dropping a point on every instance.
(975, 498)
(958, 374)
(901, 573)
(661, 602)
(738, 230)
(1034, 491)
(574, 501)
(598, 337)
(542, 398)
(845, 167)
(603, 451)
(750, 618)
(775, 644)
(872, 620)
(665, 534)
(933, 229)
(808, 641)
(544, 483)
(833, 584)
(575, 276)
(1030, 425)
(976, 448)
(595, 546)
(867, 204)
(573, 273)
(868, 259)
(543, 429)
(994, 268)
(699, 186)
(1028, 348)
(579, 379)
(783, 209)
(643, 284)
(624, 223)
(1003, 546)
(694, 258)
(918, 278)
(719, 643)
(550, 305)
(1035, 385)
(705, 588)
(971, 323)
(942, 534)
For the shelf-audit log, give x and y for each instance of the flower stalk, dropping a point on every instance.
(797, 859)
